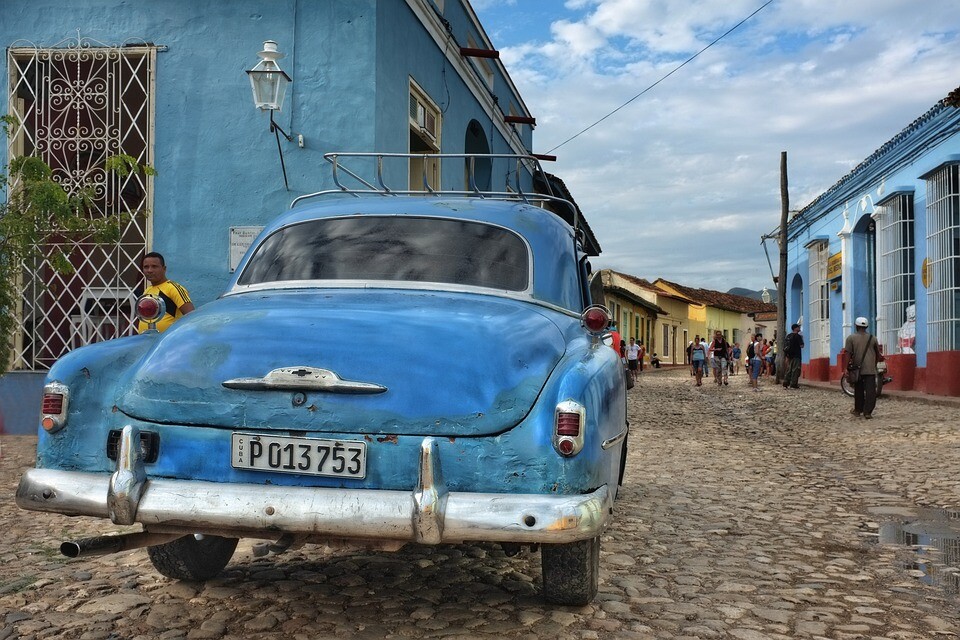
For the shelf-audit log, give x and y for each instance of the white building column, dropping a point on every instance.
(846, 279)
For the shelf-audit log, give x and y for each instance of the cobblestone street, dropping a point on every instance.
(745, 515)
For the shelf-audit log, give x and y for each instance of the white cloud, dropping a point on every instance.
(682, 182)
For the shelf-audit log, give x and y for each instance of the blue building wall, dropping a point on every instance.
(217, 162)
(896, 167)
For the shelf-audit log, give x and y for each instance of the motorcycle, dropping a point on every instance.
(882, 378)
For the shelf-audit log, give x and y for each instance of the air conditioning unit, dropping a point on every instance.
(423, 118)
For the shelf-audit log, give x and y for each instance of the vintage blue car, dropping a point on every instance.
(386, 368)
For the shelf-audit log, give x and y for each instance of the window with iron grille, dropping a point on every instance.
(75, 105)
(943, 255)
(819, 301)
(897, 276)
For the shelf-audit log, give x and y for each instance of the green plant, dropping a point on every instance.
(38, 218)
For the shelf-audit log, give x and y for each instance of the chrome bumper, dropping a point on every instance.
(427, 514)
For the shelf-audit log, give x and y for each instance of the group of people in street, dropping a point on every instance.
(723, 359)
(719, 356)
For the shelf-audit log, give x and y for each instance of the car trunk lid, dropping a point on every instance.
(349, 361)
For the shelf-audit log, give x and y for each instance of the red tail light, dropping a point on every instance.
(52, 403)
(595, 319)
(568, 424)
(569, 420)
(53, 407)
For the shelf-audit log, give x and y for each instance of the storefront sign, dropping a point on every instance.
(835, 266)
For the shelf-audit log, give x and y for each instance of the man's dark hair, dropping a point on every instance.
(794, 326)
(154, 254)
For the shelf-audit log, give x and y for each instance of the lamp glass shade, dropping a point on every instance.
(269, 84)
(765, 295)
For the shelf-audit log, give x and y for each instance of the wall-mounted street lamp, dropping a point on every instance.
(269, 83)
(765, 296)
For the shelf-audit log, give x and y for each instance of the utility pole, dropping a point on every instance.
(781, 281)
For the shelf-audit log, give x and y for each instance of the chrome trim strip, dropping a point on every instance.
(303, 378)
(615, 439)
(265, 510)
(293, 285)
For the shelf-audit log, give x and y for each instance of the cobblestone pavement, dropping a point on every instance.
(746, 515)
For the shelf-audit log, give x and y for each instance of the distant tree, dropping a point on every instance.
(36, 215)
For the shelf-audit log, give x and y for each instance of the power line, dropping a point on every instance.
(677, 68)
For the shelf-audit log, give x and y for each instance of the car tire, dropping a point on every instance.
(571, 571)
(187, 558)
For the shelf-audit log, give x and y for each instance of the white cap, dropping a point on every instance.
(861, 322)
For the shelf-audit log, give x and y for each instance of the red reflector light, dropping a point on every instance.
(52, 404)
(568, 424)
(595, 319)
(565, 446)
(148, 308)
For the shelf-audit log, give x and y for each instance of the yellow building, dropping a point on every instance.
(735, 316)
(634, 309)
(664, 321)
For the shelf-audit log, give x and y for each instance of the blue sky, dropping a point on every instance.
(682, 182)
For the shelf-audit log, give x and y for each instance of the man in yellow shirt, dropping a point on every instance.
(173, 295)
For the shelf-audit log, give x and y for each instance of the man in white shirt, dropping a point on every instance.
(633, 355)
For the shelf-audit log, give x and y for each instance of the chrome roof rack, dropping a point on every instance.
(521, 165)
(524, 164)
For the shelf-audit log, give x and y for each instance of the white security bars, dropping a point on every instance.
(897, 276)
(75, 105)
(943, 256)
(819, 301)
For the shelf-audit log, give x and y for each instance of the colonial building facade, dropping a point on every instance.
(884, 243)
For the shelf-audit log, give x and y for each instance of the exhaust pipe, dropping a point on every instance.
(102, 545)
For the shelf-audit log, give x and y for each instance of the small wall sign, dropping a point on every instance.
(835, 266)
(240, 240)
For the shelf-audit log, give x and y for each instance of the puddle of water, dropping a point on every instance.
(934, 534)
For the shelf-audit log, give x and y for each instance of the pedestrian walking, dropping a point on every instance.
(640, 356)
(633, 351)
(755, 355)
(719, 349)
(792, 348)
(696, 340)
(863, 353)
(736, 354)
(698, 359)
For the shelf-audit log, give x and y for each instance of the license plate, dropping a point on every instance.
(304, 456)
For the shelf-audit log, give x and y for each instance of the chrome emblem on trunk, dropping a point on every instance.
(304, 379)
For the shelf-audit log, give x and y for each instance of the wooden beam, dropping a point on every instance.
(520, 120)
(479, 53)
(541, 156)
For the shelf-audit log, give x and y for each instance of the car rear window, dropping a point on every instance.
(394, 248)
